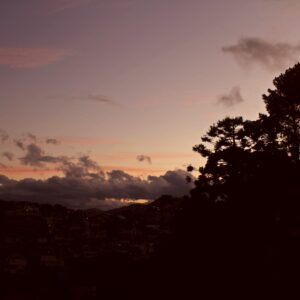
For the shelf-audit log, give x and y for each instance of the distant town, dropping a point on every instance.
(53, 245)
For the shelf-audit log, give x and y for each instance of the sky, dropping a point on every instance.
(131, 85)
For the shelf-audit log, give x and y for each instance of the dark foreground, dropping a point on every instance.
(171, 248)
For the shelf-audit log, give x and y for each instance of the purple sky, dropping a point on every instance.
(121, 79)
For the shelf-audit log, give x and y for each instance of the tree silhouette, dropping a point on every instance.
(225, 146)
(238, 149)
(283, 106)
(261, 134)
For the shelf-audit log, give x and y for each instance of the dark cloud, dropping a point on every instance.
(8, 155)
(29, 138)
(270, 55)
(20, 144)
(3, 136)
(104, 191)
(81, 167)
(232, 98)
(52, 141)
(144, 158)
(35, 157)
(84, 168)
(88, 163)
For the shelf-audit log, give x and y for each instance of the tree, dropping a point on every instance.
(261, 134)
(224, 146)
(223, 135)
(266, 150)
(283, 106)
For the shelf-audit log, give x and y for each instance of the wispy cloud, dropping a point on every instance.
(101, 99)
(27, 58)
(270, 55)
(232, 98)
(97, 98)
(146, 158)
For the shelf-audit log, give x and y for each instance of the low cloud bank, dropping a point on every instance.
(94, 190)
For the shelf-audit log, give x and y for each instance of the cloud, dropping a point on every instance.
(8, 155)
(232, 98)
(27, 58)
(88, 163)
(101, 99)
(31, 138)
(94, 191)
(35, 157)
(144, 158)
(81, 167)
(20, 144)
(84, 167)
(270, 55)
(52, 141)
(3, 136)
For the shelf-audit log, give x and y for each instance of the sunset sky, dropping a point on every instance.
(133, 84)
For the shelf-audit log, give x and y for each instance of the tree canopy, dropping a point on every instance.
(283, 105)
(238, 151)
